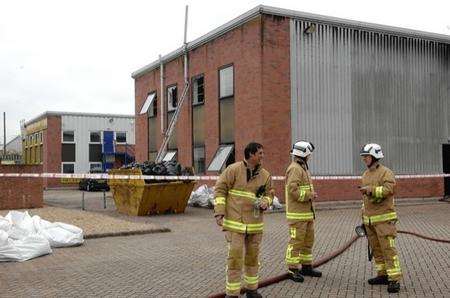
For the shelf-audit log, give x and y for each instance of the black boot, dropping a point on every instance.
(379, 280)
(307, 270)
(253, 294)
(295, 275)
(393, 287)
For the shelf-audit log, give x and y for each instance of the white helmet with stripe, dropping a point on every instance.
(302, 149)
(373, 150)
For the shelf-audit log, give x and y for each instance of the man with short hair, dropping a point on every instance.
(243, 191)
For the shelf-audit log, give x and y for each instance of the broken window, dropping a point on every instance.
(198, 96)
(172, 99)
(223, 157)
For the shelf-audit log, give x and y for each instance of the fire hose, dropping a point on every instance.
(329, 257)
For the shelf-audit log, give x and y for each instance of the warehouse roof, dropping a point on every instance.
(262, 9)
(55, 113)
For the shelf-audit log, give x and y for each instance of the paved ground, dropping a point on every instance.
(190, 261)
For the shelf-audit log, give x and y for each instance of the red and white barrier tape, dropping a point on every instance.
(195, 178)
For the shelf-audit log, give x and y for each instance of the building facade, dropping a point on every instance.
(276, 76)
(77, 142)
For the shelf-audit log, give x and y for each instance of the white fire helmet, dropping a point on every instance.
(373, 150)
(302, 149)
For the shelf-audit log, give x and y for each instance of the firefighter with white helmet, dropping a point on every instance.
(299, 194)
(379, 217)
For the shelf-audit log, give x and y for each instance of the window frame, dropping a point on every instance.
(218, 83)
(215, 157)
(94, 131)
(67, 142)
(194, 78)
(169, 108)
(115, 137)
(67, 163)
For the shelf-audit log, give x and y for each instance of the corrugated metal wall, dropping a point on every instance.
(83, 125)
(350, 87)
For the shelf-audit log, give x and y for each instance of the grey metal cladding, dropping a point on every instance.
(354, 86)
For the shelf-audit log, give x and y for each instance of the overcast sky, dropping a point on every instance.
(77, 56)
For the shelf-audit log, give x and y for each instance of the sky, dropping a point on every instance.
(78, 56)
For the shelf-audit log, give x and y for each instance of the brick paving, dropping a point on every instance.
(190, 261)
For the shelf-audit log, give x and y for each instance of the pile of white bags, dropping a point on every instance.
(204, 197)
(23, 237)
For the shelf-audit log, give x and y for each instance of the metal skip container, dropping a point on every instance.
(135, 197)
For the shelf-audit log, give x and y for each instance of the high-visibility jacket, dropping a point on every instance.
(235, 198)
(379, 206)
(299, 193)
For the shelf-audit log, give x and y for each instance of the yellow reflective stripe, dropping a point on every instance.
(251, 280)
(269, 199)
(233, 286)
(380, 266)
(305, 257)
(391, 242)
(219, 201)
(241, 193)
(289, 258)
(293, 232)
(234, 225)
(255, 227)
(302, 195)
(300, 216)
(379, 192)
(379, 218)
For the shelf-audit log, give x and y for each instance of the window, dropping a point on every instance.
(199, 160)
(95, 153)
(41, 151)
(226, 82)
(149, 105)
(198, 96)
(95, 167)
(69, 136)
(222, 158)
(172, 99)
(170, 155)
(95, 137)
(121, 137)
(68, 168)
(68, 153)
(152, 155)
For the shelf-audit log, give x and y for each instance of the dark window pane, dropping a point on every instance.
(68, 168)
(227, 120)
(173, 138)
(172, 99)
(95, 137)
(198, 126)
(226, 82)
(68, 136)
(95, 152)
(199, 160)
(121, 137)
(68, 153)
(152, 131)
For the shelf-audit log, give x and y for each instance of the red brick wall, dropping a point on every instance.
(52, 150)
(20, 193)
(260, 53)
(245, 55)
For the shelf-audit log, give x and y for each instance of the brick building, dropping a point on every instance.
(276, 76)
(77, 143)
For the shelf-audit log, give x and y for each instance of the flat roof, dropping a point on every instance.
(269, 10)
(56, 113)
